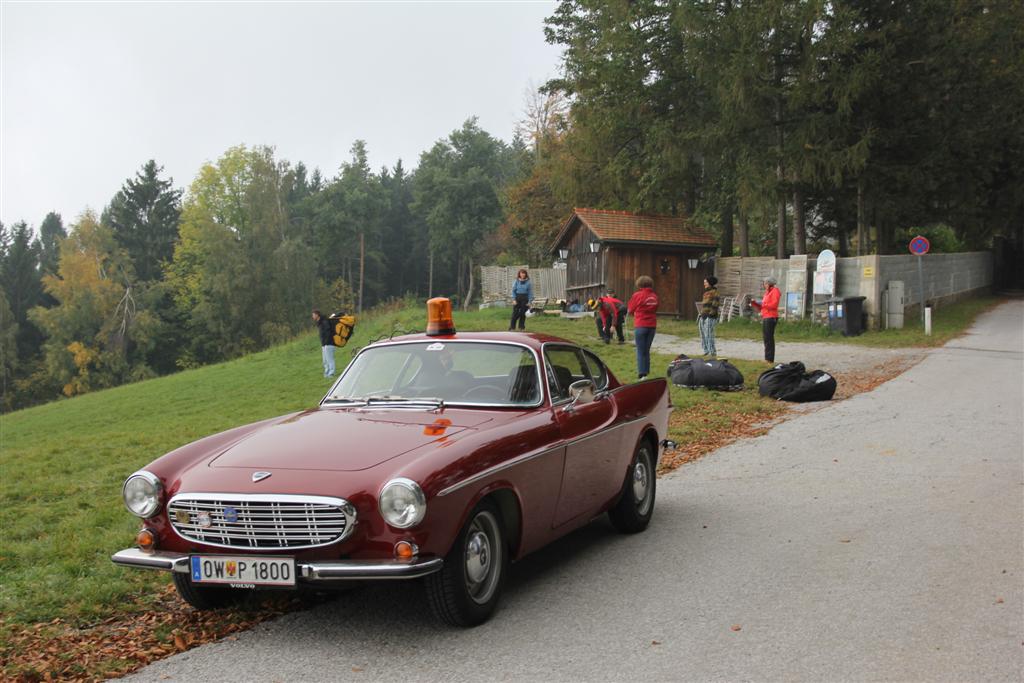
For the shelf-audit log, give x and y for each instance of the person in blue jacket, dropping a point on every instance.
(522, 295)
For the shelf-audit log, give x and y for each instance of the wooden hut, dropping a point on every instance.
(610, 249)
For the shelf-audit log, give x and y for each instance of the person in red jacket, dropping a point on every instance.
(643, 306)
(610, 311)
(769, 308)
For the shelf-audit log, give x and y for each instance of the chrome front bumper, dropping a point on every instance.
(316, 572)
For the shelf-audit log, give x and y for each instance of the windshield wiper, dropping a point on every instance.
(433, 403)
(357, 400)
(429, 402)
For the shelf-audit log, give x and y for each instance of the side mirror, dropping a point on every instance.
(582, 391)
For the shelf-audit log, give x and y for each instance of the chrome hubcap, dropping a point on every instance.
(483, 557)
(642, 482)
(478, 557)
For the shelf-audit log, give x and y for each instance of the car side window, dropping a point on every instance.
(598, 371)
(565, 366)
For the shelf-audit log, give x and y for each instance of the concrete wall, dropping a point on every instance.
(947, 277)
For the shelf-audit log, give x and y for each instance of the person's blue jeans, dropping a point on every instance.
(644, 337)
(328, 360)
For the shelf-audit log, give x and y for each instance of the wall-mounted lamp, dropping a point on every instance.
(692, 263)
(595, 247)
(563, 254)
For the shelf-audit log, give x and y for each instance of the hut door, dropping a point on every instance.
(666, 282)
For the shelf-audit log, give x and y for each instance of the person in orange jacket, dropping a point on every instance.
(769, 308)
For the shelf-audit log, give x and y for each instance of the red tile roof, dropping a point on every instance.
(622, 226)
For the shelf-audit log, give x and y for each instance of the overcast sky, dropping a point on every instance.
(90, 91)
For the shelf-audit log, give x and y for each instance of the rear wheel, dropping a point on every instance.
(633, 512)
(203, 598)
(466, 589)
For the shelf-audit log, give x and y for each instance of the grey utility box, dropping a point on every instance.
(895, 300)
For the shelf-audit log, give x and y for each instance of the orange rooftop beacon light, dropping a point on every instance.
(439, 317)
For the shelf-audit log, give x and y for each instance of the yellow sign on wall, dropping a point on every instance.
(869, 272)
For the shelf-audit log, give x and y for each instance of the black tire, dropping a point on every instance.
(207, 598)
(635, 508)
(466, 589)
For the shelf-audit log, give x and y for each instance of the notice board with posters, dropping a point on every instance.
(825, 275)
(796, 287)
(824, 284)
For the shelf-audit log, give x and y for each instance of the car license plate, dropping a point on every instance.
(256, 571)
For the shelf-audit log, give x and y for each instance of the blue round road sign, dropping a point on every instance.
(920, 245)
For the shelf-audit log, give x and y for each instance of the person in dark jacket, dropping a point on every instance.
(522, 295)
(325, 326)
(708, 319)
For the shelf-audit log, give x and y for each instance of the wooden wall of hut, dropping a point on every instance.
(585, 270)
(677, 285)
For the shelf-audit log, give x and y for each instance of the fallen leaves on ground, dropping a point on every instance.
(745, 425)
(852, 383)
(118, 645)
(737, 426)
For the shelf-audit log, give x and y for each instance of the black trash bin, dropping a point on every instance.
(846, 314)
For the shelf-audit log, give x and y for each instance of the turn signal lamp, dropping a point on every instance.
(404, 550)
(146, 541)
(439, 317)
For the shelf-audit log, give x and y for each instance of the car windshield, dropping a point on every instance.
(465, 373)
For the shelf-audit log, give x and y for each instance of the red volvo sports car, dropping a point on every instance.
(438, 456)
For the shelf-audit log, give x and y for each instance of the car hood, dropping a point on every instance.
(342, 440)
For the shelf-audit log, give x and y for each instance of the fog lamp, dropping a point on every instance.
(406, 550)
(146, 540)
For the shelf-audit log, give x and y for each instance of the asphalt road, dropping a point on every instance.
(881, 537)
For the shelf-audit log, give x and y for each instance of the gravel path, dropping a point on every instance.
(816, 356)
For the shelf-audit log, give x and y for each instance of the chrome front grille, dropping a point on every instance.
(263, 522)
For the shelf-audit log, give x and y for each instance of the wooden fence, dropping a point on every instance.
(496, 283)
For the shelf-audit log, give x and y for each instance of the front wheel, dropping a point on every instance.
(633, 512)
(466, 589)
(204, 598)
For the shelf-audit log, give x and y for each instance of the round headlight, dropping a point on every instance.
(142, 494)
(402, 503)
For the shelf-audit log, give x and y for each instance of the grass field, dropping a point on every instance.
(62, 464)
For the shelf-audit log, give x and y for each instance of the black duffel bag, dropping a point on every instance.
(813, 386)
(780, 379)
(694, 373)
(791, 382)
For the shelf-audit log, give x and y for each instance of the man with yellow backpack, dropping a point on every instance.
(334, 331)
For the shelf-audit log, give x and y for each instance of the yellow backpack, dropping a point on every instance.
(343, 327)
